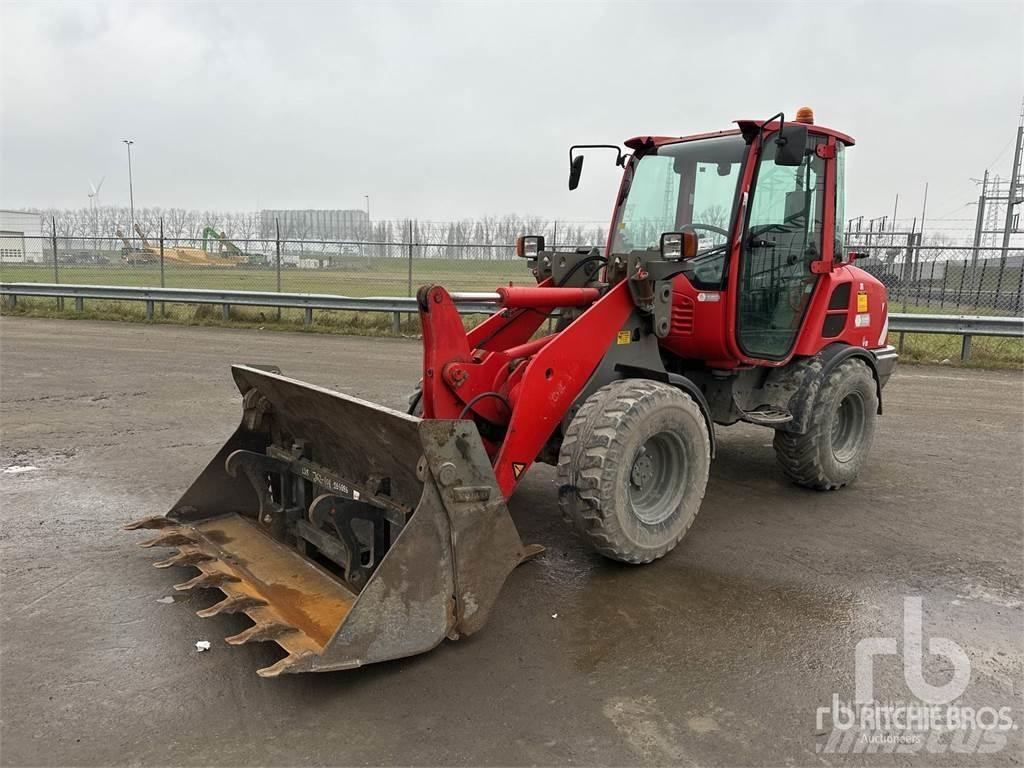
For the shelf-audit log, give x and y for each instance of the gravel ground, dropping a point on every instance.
(720, 654)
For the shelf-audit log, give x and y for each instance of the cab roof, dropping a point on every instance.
(651, 142)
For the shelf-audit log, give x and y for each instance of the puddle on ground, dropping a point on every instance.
(653, 615)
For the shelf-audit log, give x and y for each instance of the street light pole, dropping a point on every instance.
(131, 193)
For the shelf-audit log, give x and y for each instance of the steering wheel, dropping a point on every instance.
(708, 227)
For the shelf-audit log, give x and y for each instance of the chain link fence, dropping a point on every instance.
(392, 268)
(919, 278)
(946, 280)
(943, 279)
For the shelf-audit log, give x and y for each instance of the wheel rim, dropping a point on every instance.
(657, 478)
(847, 427)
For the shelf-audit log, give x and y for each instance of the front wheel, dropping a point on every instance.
(415, 399)
(831, 453)
(633, 468)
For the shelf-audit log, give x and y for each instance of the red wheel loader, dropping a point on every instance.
(351, 533)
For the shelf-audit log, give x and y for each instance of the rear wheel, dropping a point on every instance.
(633, 468)
(835, 446)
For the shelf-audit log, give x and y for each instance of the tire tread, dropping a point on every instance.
(592, 445)
(798, 454)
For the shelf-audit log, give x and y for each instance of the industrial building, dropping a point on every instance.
(21, 237)
(315, 224)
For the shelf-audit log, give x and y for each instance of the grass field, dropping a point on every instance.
(373, 277)
(357, 277)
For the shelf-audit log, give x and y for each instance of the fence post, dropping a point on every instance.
(277, 250)
(409, 287)
(945, 279)
(999, 283)
(163, 306)
(56, 272)
(963, 274)
(931, 283)
(918, 273)
(908, 266)
(1020, 289)
(965, 350)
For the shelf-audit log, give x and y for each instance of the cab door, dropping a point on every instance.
(782, 237)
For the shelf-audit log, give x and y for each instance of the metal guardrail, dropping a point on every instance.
(396, 305)
(972, 325)
(957, 325)
(966, 326)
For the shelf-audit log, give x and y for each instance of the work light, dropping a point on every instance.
(676, 246)
(528, 246)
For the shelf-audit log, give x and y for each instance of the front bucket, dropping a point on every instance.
(348, 532)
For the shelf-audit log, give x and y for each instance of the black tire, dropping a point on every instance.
(835, 446)
(415, 399)
(631, 504)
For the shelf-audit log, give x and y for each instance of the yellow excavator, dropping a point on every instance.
(193, 257)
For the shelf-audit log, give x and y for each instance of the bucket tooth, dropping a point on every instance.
(206, 581)
(233, 604)
(189, 557)
(259, 632)
(531, 551)
(276, 669)
(154, 522)
(169, 539)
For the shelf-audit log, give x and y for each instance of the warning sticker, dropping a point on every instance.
(862, 302)
(518, 468)
(624, 337)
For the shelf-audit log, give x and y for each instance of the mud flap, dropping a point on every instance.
(453, 542)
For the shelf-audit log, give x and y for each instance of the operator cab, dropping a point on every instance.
(762, 201)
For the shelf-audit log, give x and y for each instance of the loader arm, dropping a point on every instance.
(523, 390)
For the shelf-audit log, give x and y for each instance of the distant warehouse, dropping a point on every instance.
(315, 225)
(21, 237)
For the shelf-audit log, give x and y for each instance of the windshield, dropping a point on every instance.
(689, 186)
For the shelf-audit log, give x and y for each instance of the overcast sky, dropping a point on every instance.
(442, 111)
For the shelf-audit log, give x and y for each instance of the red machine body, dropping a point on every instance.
(700, 319)
(521, 388)
(352, 534)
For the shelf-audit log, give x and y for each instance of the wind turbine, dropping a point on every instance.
(94, 203)
(94, 195)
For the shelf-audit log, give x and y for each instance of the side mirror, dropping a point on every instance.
(575, 169)
(791, 144)
(678, 246)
